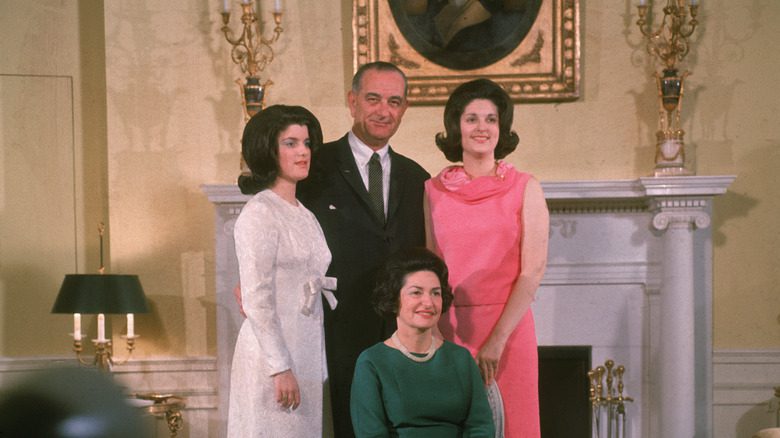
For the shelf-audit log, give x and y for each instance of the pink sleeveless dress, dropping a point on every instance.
(476, 228)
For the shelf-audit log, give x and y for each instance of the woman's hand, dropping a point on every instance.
(487, 359)
(286, 390)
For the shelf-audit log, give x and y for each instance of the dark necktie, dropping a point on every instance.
(375, 191)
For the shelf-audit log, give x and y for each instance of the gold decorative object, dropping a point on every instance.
(104, 359)
(252, 52)
(166, 406)
(608, 400)
(101, 294)
(669, 43)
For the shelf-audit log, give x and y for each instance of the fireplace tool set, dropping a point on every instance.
(607, 400)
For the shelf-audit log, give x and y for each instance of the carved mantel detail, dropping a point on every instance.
(674, 212)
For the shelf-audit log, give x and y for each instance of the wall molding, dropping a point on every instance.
(194, 378)
(644, 273)
(743, 391)
(743, 382)
(745, 376)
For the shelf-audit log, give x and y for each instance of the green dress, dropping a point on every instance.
(393, 396)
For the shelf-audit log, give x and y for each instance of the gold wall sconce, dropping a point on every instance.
(252, 52)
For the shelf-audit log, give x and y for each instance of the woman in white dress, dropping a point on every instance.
(279, 368)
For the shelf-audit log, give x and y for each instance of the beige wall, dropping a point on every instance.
(52, 164)
(173, 122)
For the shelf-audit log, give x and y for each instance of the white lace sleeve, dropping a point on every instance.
(257, 240)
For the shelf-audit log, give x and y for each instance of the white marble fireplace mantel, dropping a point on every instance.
(629, 274)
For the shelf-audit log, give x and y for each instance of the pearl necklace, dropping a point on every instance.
(428, 354)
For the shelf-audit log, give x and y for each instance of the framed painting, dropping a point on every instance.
(530, 47)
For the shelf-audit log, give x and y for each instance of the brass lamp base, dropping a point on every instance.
(104, 357)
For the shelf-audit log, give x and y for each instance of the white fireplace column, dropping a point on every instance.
(678, 218)
(680, 206)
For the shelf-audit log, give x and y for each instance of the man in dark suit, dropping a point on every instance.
(362, 230)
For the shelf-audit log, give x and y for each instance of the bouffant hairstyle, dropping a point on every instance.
(260, 142)
(451, 142)
(392, 277)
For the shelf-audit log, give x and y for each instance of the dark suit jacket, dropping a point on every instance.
(360, 244)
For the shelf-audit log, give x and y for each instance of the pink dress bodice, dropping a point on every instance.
(476, 228)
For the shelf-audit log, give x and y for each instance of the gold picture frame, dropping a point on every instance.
(543, 67)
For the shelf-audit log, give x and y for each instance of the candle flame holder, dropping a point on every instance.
(104, 357)
(670, 44)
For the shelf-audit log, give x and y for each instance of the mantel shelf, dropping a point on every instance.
(642, 188)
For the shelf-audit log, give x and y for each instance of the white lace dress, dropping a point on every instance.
(282, 258)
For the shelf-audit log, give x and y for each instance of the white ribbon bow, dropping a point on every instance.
(311, 288)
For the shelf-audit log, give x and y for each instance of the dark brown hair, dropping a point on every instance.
(377, 66)
(260, 142)
(392, 277)
(451, 142)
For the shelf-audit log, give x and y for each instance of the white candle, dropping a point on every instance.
(76, 326)
(130, 325)
(642, 2)
(246, 2)
(277, 6)
(225, 5)
(101, 328)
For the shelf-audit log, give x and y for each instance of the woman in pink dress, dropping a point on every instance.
(490, 223)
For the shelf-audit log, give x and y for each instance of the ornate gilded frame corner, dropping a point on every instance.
(543, 67)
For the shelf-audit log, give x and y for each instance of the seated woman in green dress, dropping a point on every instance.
(415, 384)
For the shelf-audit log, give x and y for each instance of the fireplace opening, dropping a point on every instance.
(564, 403)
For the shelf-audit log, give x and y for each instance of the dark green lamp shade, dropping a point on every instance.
(100, 293)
